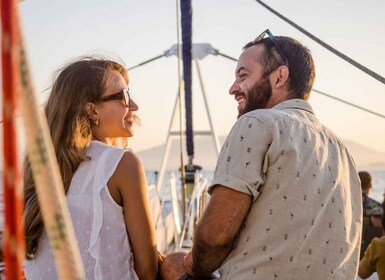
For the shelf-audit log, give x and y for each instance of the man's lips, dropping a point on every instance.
(240, 98)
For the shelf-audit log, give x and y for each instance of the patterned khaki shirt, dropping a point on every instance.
(305, 219)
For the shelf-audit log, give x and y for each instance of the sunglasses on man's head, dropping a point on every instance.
(124, 95)
(280, 50)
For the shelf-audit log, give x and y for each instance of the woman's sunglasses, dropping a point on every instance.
(124, 95)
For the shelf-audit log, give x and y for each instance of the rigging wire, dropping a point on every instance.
(226, 56)
(145, 62)
(348, 103)
(167, 53)
(326, 46)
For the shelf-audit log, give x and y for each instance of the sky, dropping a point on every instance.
(57, 32)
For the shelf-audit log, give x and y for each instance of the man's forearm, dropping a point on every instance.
(216, 230)
(207, 259)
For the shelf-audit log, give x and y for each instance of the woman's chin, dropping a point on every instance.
(129, 133)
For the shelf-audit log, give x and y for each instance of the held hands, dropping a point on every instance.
(175, 265)
(161, 258)
(188, 260)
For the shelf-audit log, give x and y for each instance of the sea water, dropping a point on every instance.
(377, 193)
(378, 184)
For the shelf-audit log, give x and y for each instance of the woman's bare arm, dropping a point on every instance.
(130, 180)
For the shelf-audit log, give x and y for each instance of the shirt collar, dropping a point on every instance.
(295, 104)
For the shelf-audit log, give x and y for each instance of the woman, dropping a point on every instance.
(89, 111)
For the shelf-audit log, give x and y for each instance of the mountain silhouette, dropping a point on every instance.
(206, 157)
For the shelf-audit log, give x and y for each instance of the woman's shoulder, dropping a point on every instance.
(129, 170)
(129, 163)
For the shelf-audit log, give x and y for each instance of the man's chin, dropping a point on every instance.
(241, 110)
(241, 113)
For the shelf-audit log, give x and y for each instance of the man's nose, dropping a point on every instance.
(234, 88)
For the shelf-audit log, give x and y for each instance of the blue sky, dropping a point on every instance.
(56, 32)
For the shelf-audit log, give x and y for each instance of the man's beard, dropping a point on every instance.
(258, 97)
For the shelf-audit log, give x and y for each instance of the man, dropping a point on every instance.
(372, 213)
(285, 199)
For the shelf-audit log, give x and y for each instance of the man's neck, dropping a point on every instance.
(278, 97)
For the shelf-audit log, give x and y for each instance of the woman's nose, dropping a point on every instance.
(133, 106)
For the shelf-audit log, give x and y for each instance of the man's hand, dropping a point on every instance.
(173, 267)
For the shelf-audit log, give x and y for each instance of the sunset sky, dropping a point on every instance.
(57, 32)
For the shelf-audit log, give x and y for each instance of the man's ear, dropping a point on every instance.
(91, 111)
(280, 76)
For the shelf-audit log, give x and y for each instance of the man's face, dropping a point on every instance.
(257, 97)
(251, 89)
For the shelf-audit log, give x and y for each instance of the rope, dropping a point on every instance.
(46, 173)
(186, 10)
(326, 46)
(49, 186)
(13, 193)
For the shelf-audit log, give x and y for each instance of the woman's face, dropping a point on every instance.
(115, 118)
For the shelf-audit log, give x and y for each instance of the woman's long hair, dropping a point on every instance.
(70, 128)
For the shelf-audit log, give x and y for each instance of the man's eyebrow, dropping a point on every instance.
(240, 69)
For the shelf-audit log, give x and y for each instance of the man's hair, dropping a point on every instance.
(300, 63)
(366, 180)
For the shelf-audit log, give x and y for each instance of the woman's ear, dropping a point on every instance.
(91, 111)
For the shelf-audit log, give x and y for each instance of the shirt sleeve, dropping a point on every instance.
(242, 163)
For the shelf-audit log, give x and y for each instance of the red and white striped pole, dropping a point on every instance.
(13, 192)
(17, 82)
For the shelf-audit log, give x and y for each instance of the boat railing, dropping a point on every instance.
(173, 231)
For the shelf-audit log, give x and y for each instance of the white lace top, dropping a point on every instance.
(98, 222)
